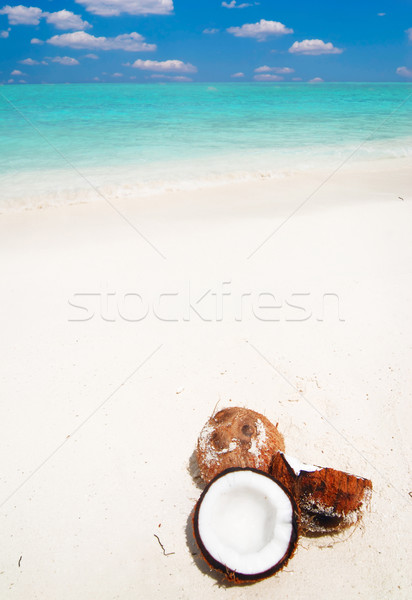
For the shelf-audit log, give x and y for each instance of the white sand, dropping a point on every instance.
(84, 523)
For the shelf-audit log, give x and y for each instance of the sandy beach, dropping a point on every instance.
(123, 330)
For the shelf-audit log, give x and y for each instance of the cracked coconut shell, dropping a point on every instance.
(329, 500)
(237, 437)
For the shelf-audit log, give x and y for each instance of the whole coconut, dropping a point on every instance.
(237, 437)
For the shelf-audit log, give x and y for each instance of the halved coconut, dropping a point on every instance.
(329, 500)
(246, 524)
(237, 437)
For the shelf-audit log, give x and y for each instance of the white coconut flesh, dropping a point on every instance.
(299, 466)
(245, 522)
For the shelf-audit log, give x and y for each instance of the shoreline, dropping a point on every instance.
(92, 194)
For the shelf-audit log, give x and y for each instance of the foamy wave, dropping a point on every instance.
(41, 189)
(24, 199)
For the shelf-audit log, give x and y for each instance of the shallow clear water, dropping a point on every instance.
(136, 139)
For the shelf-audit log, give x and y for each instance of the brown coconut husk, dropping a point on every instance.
(237, 437)
(281, 470)
(329, 500)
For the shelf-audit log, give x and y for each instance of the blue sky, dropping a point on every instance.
(51, 41)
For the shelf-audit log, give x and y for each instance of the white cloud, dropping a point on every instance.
(165, 66)
(31, 62)
(16, 72)
(210, 31)
(5, 34)
(22, 15)
(267, 77)
(314, 48)
(132, 42)
(92, 56)
(65, 19)
(96, 78)
(30, 15)
(409, 32)
(263, 69)
(279, 70)
(316, 80)
(260, 30)
(170, 77)
(117, 75)
(284, 70)
(404, 72)
(65, 60)
(381, 14)
(111, 8)
(233, 4)
(240, 74)
(37, 41)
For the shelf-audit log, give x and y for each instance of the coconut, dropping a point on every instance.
(329, 500)
(236, 437)
(246, 524)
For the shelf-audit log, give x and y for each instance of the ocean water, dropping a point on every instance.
(61, 143)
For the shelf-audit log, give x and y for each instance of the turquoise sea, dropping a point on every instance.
(131, 139)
